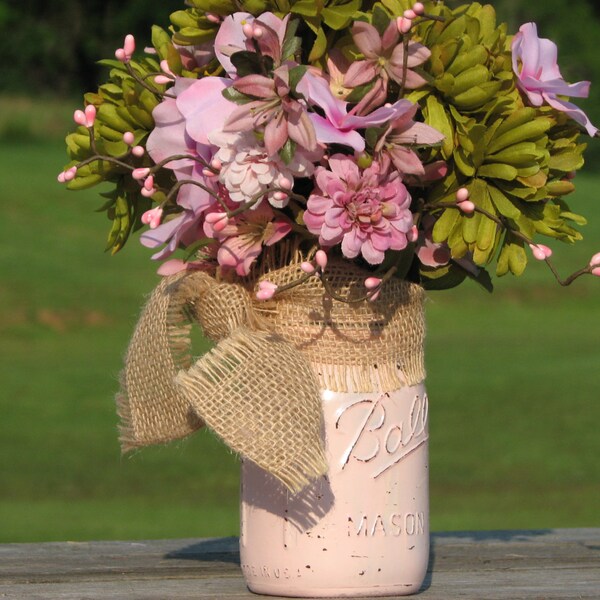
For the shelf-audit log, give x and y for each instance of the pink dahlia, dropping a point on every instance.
(367, 211)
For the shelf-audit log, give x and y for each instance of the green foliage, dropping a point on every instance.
(123, 104)
(513, 159)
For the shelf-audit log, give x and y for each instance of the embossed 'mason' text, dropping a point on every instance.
(394, 524)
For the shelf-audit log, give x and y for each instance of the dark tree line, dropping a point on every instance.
(52, 47)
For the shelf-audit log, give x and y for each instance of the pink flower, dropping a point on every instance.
(242, 239)
(249, 172)
(281, 116)
(539, 77)
(367, 212)
(231, 38)
(182, 127)
(338, 126)
(403, 133)
(384, 57)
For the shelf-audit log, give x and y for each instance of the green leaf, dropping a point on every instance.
(442, 278)
(307, 8)
(338, 16)
(319, 47)
(234, 95)
(498, 171)
(288, 151)
(248, 63)
(296, 74)
(291, 43)
(380, 18)
(503, 205)
(438, 118)
(445, 224)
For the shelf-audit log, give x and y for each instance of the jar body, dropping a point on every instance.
(360, 530)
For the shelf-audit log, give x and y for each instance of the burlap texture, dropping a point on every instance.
(259, 387)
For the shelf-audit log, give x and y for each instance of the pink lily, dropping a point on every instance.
(282, 116)
(403, 133)
(242, 238)
(384, 57)
(338, 126)
(538, 75)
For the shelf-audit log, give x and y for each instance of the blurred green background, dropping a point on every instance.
(513, 378)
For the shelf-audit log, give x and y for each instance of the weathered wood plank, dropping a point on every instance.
(517, 565)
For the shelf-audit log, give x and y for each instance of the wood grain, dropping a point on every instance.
(493, 565)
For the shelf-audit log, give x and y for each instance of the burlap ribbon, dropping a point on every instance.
(259, 387)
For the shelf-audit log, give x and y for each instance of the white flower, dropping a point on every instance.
(249, 173)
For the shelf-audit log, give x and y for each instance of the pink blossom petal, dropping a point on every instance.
(204, 107)
(230, 34)
(329, 134)
(280, 230)
(346, 169)
(360, 72)
(370, 253)
(316, 90)
(573, 111)
(301, 130)
(256, 85)
(244, 117)
(170, 267)
(367, 38)
(276, 133)
(390, 36)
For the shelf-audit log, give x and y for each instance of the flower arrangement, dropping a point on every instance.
(418, 140)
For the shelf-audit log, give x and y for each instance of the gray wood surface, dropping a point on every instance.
(516, 565)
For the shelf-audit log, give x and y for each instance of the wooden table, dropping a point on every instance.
(514, 565)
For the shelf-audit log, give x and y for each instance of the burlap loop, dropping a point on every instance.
(259, 388)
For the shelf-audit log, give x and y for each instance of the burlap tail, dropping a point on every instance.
(151, 407)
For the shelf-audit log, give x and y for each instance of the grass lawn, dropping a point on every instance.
(513, 380)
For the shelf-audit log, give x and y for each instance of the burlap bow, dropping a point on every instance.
(259, 388)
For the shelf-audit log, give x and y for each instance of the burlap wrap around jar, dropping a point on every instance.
(325, 402)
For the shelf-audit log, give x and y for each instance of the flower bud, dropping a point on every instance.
(90, 115)
(129, 138)
(321, 259)
(413, 234)
(129, 45)
(80, 118)
(466, 206)
(418, 8)
(266, 290)
(538, 253)
(404, 24)
(462, 194)
(138, 151)
(307, 267)
(140, 173)
(163, 79)
(595, 260)
(372, 283)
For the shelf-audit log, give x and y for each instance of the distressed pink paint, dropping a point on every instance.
(363, 530)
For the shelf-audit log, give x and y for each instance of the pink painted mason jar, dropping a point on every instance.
(361, 530)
